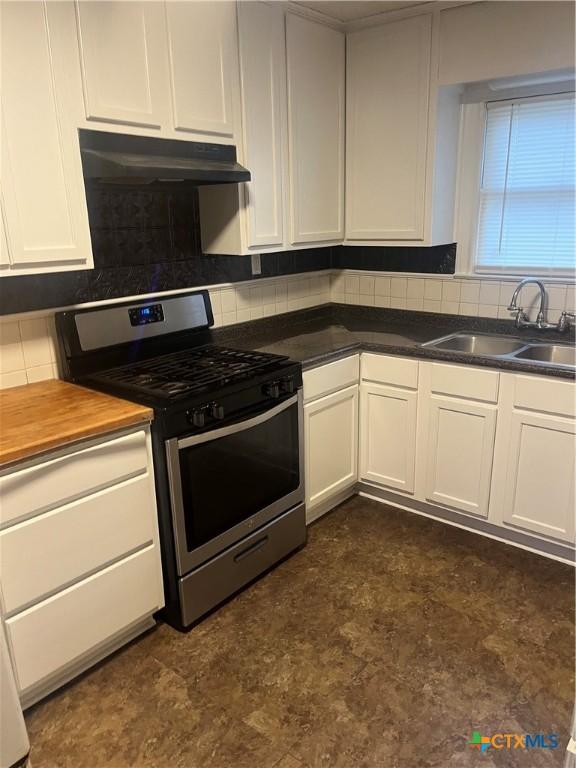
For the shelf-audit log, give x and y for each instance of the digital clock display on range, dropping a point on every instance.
(150, 313)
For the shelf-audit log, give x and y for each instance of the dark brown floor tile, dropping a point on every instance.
(383, 644)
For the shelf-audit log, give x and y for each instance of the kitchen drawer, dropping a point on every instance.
(225, 574)
(59, 630)
(330, 377)
(385, 369)
(538, 394)
(466, 382)
(69, 542)
(57, 481)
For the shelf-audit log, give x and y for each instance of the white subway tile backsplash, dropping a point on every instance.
(269, 294)
(556, 295)
(243, 315)
(397, 303)
(431, 305)
(39, 373)
(398, 287)
(382, 286)
(11, 352)
(487, 310)
(352, 284)
(36, 343)
(450, 291)
(433, 289)
(449, 307)
(470, 292)
(256, 296)
(469, 309)
(228, 300)
(13, 379)
(415, 288)
(367, 285)
(216, 301)
(489, 292)
(382, 301)
(416, 305)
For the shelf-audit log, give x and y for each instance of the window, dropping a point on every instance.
(524, 216)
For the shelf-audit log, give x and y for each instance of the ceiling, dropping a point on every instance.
(352, 10)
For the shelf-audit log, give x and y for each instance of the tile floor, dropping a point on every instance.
(383, 644)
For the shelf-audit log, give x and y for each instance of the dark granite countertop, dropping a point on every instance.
(323, 334)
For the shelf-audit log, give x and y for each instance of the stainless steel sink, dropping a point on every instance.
(478, 344)
(550, 354)
(509, 347)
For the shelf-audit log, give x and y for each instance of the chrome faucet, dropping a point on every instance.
(522, 319)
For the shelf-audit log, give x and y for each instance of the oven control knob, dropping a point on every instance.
(217, 411)
(272, 389)
(197, 417)
(288, 386)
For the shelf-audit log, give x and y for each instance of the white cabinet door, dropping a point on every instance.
(202, 43)
(331, 435)
(316, 60)
(263, 76)
(388, 436)
(42, 185)
(460, 454)
(123, 60)
(388, 78)
(539, 490)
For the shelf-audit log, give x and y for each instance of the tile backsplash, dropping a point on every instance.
(448, 295)
(28, 348)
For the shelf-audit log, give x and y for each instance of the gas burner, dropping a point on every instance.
(190, 371)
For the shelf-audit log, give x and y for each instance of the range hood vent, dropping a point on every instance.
(113, 158)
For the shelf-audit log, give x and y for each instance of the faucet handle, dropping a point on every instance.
(564, 321)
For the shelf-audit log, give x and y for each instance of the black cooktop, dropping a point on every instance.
(189, 372)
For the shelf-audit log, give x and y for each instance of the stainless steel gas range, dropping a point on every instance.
(227, 439)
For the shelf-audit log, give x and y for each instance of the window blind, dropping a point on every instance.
(527, 195)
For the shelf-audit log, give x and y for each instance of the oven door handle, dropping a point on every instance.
(240, 426)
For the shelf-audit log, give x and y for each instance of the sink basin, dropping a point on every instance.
(478, 344)
(551, 354)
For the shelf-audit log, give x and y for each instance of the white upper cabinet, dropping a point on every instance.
(263, 76)
(42, 186)
(122, 56)
(316, 61)
(203, 52)
(388, 79)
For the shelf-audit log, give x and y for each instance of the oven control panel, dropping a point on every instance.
(146, 314)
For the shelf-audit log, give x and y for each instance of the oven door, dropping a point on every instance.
(227, 482)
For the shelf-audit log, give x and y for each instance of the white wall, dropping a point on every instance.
(488, 40)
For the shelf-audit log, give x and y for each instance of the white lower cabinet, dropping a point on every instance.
(460, 450)
(61, 629)
(388, 436)
(539, 490)
(445, 439)
(86, 519)
(331, 428)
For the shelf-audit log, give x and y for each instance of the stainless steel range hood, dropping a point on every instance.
(113, 158)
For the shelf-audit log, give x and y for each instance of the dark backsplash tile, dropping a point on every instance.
(146, 241)
(438, 259)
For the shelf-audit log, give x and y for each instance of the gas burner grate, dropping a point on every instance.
(190, 371)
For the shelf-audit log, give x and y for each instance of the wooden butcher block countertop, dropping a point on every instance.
(50, 414)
